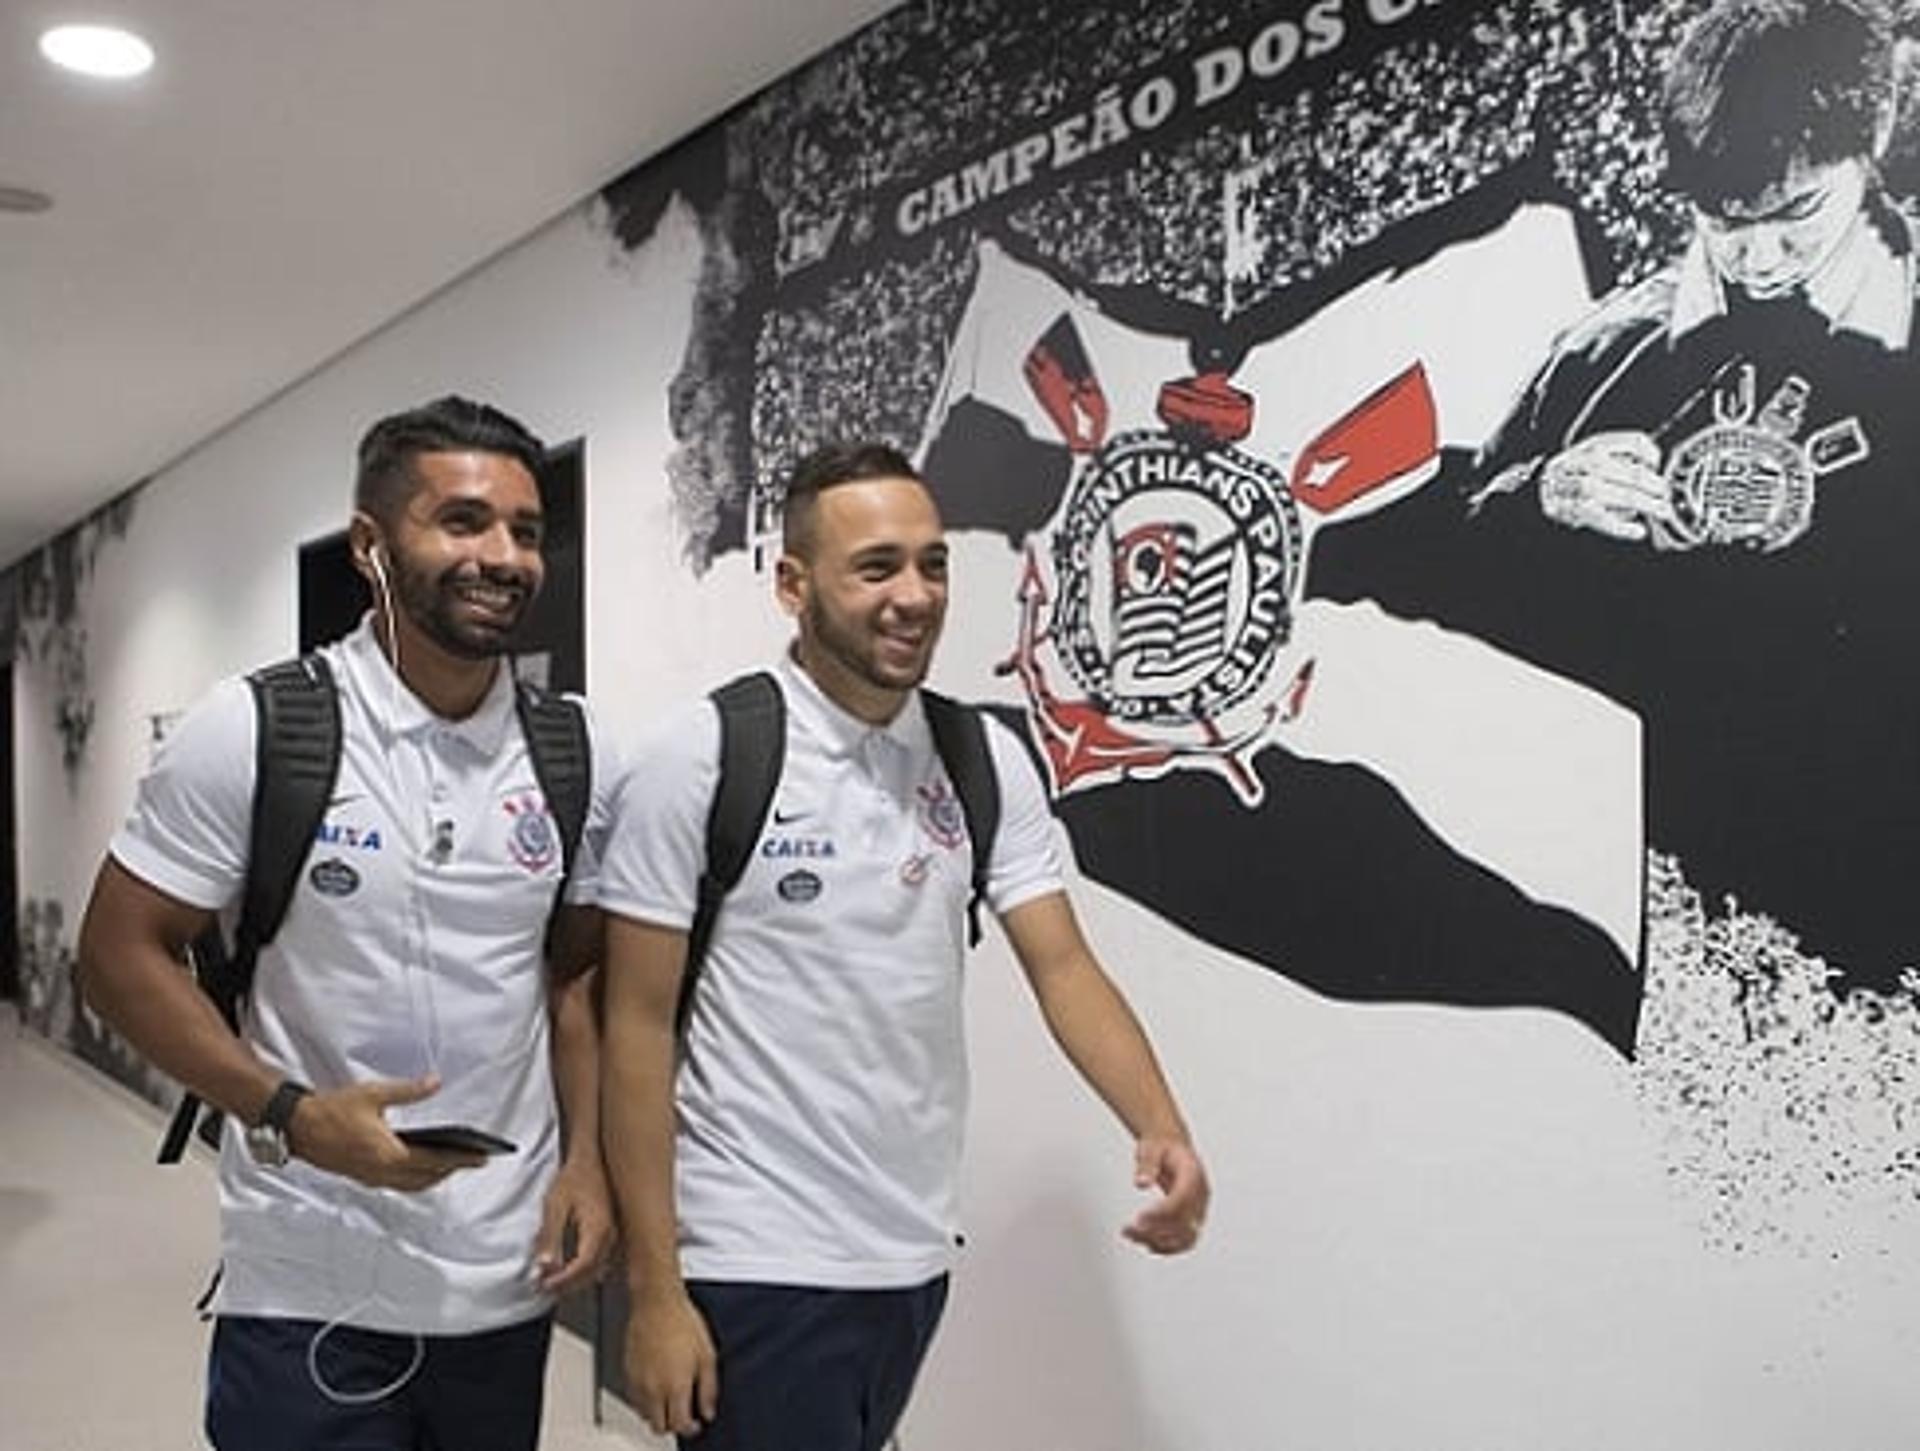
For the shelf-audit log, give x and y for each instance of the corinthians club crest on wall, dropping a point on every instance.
(1157, 603)
(1168, 598)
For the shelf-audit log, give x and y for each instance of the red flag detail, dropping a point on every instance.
(1393, 432)
(1062, 378)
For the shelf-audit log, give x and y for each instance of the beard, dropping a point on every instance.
(856, 650)
(438, 608)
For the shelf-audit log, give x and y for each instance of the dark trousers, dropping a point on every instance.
(813, 1370)
(469, 1393)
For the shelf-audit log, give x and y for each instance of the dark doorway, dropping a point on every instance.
(552, 647)
(333, 597)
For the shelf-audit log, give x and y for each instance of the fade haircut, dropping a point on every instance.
(826, 466)
(1757, 85)
(386, 478)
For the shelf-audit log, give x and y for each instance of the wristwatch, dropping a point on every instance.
(267, 1140)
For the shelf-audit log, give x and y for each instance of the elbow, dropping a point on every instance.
(89, 985)
(99, 950)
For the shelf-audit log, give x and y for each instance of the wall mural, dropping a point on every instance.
(1412, 491)
(51, 635)
(51, 624)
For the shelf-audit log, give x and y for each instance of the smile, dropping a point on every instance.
(492, 598)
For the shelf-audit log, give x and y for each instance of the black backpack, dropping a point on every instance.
(753, 750)
(297, 757)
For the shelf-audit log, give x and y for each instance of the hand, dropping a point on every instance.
(578, 1199)
(673, 1375)
(344, 1131)
(1170, 1225)
(1609, 482)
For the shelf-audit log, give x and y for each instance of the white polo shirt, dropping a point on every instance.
(823, 1085)
(397, 958)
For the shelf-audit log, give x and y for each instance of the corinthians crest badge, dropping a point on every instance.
(531, 841)
(1164, 599)
(1747, 478)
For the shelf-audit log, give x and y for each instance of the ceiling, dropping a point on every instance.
(294, 173)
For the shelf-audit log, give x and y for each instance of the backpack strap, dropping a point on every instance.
(960, 736)
(296, 757)
(753, 752)
(556, 732)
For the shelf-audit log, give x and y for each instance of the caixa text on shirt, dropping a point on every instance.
(797, 846)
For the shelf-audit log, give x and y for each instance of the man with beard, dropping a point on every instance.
(376, 1292)
(785, 1168)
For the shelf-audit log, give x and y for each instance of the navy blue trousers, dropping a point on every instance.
(470, 1393)
(813, 1370)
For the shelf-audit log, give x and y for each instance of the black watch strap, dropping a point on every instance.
(279, 1110)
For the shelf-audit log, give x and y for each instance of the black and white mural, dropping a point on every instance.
(49, 619)
(53, 588)
(1454, 534)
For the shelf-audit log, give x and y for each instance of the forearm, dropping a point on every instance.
(576, 1067)
(644, 966)
(637, 1116)
(1104, 1041)
(131, 971)
(1098, 1032)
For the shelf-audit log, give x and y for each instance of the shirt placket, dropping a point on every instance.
(890, 841)
(434, 832)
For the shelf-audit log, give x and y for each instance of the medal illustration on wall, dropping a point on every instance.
(1748, 477)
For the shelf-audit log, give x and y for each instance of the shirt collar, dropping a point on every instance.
(396, 711)
(1866, 288)
(839, 730)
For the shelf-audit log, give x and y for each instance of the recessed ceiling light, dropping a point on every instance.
(97, 50)
(23, 199)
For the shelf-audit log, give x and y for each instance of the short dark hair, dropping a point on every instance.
(452, 424)
(1759, 84)
(826, 466)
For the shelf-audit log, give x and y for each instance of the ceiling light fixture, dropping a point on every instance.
(97, 50)
(23, 199)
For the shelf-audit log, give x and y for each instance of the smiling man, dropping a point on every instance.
(376, 1292)
(786, 1168)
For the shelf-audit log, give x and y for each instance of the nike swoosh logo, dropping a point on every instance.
(786, 818)
(344, 798)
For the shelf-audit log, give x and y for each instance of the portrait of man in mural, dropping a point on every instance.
(1691, 493)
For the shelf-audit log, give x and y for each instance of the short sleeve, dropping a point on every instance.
(656, 848)
(192, 815)
(608, 767)
(1026, 861)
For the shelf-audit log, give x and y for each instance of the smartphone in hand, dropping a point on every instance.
(462, 1138)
